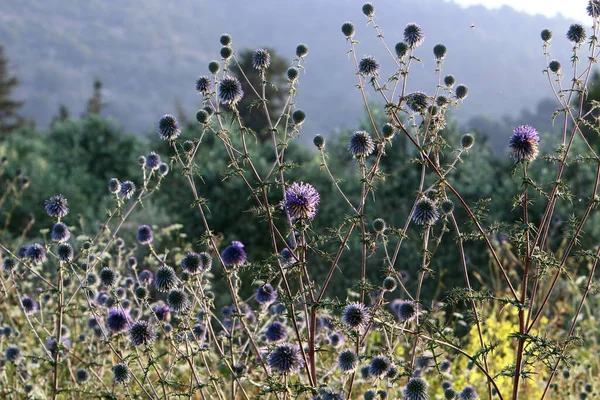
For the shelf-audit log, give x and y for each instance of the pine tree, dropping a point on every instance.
(94, 104)
(10, 118)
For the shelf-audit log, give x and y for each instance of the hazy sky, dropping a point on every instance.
(574, 9)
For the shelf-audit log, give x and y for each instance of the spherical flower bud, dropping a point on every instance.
(141, 292)
(205, 261)
(348, 29)
(199, 331)
(356, 315)
(388, 130)
(319, 142)
(145, 235)
(192, 263)
(162, 312)
(298, 117)
(60, 232)
(9, 264)
(57, 206)
(405, 310)
(554, 66)
(114, 185)
(546, 35)
(469, 393)
(146, 277)
(202, 117)
(442, 101)
(234, 254)
(168, 128)
(152, 161)
(225, 39)
(524, 143)
(416, 389)
(369, 394)
(230, 90)
(108, 276)
(347, 361)
(439, 51)
(447, 207)
(165, 279)
(188, 145)
(226, 53)
(417, 102)
(117, 320)
(214, 66)
(265, 294)
(292, 74)
(593, 8)
(401, 49)
(379, 366)
(576, 34)
(301, 50)
(446, 384)
(82, 375)
(368, 9)
(141, 160)
(121, 374)
(12, 354)
(450, 394)
(30, 306)
(276, 332)
(261, 59)
(389, 284)
(36, 253)
(64, 252)
(127, 189)
(461, 92)
(445, 367)
(466, 141)
(361, 144)
(203, 84)
(426, 212)
(141, 333)
(368, 66)
(392, 372)
(178, 301)
(413, 35)
(285, 358)
(163, 169)
(301, 201)
(379, 225)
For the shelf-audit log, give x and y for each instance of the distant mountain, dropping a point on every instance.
(148, 53)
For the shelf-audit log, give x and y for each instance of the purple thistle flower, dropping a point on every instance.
(57, 206)
(301, 201)
(266, 294)
(162, 311)
(276, 332)
(168, 128)
(146, 277)
(230, 90)
(234, 254)
(30, 306)
(404, 309)
(36, 253)
(261, 59)
(199, 331)
(144, 235)
(356, 315)
(285, 358)
(127, 189)
(152, 160)
(141, 333)
(203, 84)
(117, 320)
(524, 143)
(60, 232)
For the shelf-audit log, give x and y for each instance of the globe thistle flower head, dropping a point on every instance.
(9, 264)
(82, 375)
(292, 74)
(141, 292)
(439, 51)
(276, 332)
(57, 206)
(192, 263)
(524, 143)
(146, 277)
(426, 212)
(449, 80)
(368, 9)
(36, 253)
(178, 301)
(368, 66)
(225, 39)
(301, 50)
(347, 361)
(466, 141)
(298, 117)
(319, 142)
(379, 366)
(261, 59)
(348, 29)
(121, 374)
(226, 52)
(168, 128)
(141, 333)
(445, 366)
(60, 232)
(265, 294)
(108, 276)
(214, 66)
(165, 279)
(404, 310)
(114, 185)
(152, 161)
(141, 160)
(389, 284)
(30, 306)
(199, 331)
(337, 339)
(203, 85)
(554, 66)
(230, 90)
(202, 117)
(468, 393)
(12, 354)
(369, 394)
(64, 252)
(450, 393)
(413, 35)
(127, 189)
(447, 207)
(145, 235)
(234, 254)
(205, 261)
(117, 320)
(546, 35)
(361, 144)
(388, 130)
(442, 101)
(162, 312)
(356, 315)
(576, 34)
(416, 389)
(417, 102)
(379, 225)
(392, 372)
(163, 169)
(301, 201)
(593, 8)
(401, 49)
(446, 384)
(285, 358)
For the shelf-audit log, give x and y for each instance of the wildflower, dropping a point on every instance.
(461, 92)
(450, 393)
(64, 252)
(141, 333)
(416, 389)
(141, 160)
(261, 59)
(368, 9)
(192, 263)
(593, 8)
(368, 66)
(286, 256)
(141, 292)
(468, 393)
(12, 354)
(121, 374)
(265, 294)
(204, 84)
(144, 235)
(165, 279)
(162, 312)
(230, 90)
(117, 320)
(226, 52)
(379, 225)
(108, 276)
(205, 261)
(405, 310)
(146, 277)
(337, 339)
(36, 253)
(389, 284)
(356, 315)
(445, 366)
(234, 254)
(401, 49)
(413, 35)
(60, 232)
(225, 39)
(285, 358)
(417, 102)
(348, 29)
(447, 206)
(361, 144)
(369, 394)
(554, 66)
(524, 143)
(301, 201)
(449, 80)
(301, 50)
(152, 160)
(114, 185)
(214, 66)
(576, 33)
(392, 372)
(388, 130)
(178, 301)
(56, 206)
(347, 361)
(163, 169)
(202, 117)
(292, 74)
(127, 189)
(199, 331)
(546, 35)
(8, 264)
(426, 212)
(82, 375)
(439, 51)
(298, 117)
(466, 141)
(379, 366)
(276, 332)
(30, 306)
(168, 128)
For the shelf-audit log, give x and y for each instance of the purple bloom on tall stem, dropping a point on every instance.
(30, 306)
(56, 206)
(144, 235)
(117, 320)
(285, 358)
(266, 294)
(524, 143)
(36, 253)
(234, 254)
(301, 201)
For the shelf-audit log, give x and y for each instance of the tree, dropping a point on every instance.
(252, 113)
(95, 104)
(9, 108)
